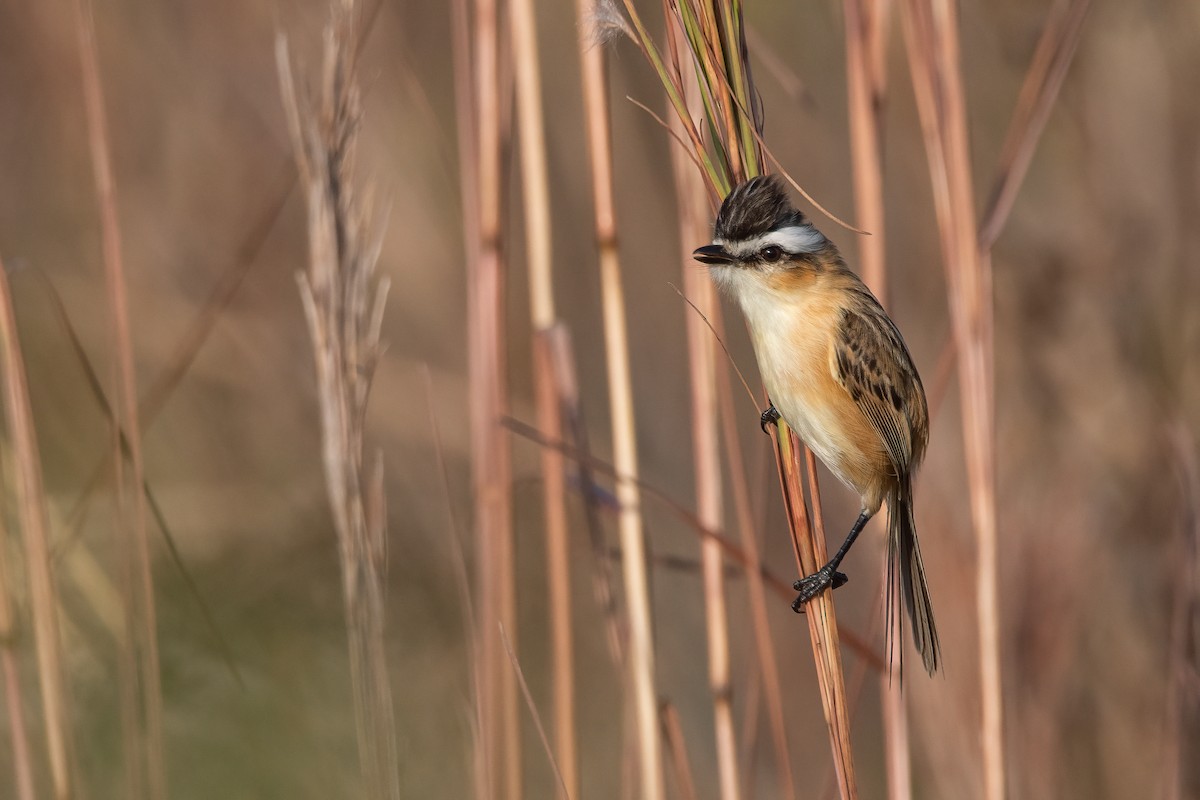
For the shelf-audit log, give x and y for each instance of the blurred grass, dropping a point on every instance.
(1096, 330)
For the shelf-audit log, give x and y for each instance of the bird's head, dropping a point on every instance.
(758, 229)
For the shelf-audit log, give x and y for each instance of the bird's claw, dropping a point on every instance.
(812, 585)
(769, 417)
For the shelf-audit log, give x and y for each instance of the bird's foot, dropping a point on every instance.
(769, 417)
(812, 585)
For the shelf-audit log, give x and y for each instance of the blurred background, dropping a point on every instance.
(1097, 331)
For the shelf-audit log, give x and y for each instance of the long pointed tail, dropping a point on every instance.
(906, 576)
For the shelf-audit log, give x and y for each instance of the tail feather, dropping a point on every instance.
(906, 577)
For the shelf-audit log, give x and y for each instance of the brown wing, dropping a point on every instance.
(872, 364)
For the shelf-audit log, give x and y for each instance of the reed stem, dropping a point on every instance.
(539, 243)
(145, 741)
(35, 536)
(693, 227)
(641, 657)
(931, 31)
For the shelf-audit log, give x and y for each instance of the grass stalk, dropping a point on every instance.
(808, 540)
(539, 242)
(463, 583)
(932, 38)
(718, 59)
(729, 549)
(641, 656)
(141, 657)
(480, 123)
(558, 570)
(468, 174)
(867, 26)
(764, 641)
(533, 713)
(1181, 669)
(566, 382)
(931, 32)
(866, 85)
(706, 456)
(1044, 77)
(808, 545)
(344, 303)
(681, 767)
(35, 536)
(18, 735)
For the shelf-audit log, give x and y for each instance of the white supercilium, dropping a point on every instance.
(793, 239)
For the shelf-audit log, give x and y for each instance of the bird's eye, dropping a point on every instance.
(771, 253)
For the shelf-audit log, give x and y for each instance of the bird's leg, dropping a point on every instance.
(812, 585)
(769, 417)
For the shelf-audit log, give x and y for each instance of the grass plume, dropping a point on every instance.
(343, 304)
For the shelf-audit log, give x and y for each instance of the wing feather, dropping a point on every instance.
(872, 364)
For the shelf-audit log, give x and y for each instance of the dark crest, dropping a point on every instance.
(755, 207)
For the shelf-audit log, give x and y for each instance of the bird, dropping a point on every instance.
(837, 371)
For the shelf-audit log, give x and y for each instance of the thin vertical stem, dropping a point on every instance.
(468, 159)
(558, 568)
(535, 184)
(490, 463)
(866, 79)
(808, 543)
(35, 533)
(931, 30)
(767, 661)
(681, 767)
(144, 634)
(691, 193)
(636, 577)
(866, 45)
(17, 733)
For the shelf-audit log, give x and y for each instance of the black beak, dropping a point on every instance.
(712, 254)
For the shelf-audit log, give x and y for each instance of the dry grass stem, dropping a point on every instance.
(931, 31)
(1183, 679)
(558, 568)
(533, 712)
(716, 53)
(866, 84)
(73, 526)
(481, 120)
(729, 550)
(681, 767)
(641, 656)
(141, 679)
(17, 733)
(538, 236)
(343, 303)
(706, 458)
(35, 536)
(558, 343)
(468, 173)
(1039, 91)
(822, 621)
(808, 543)
(462, 582)
(764, 641)
(867, 28)
(932, 37)
(186, 347)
